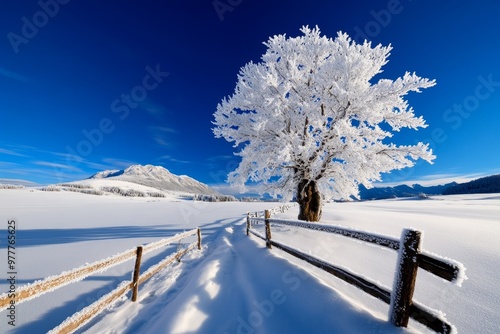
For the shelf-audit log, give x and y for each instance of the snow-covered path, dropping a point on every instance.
(238, 286)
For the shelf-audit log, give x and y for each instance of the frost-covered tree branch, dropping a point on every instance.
(308, 115)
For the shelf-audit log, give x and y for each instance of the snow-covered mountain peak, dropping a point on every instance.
(157, 177)
(157, 172)
(106, 173)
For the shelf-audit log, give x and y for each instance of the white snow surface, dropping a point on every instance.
(235, 284)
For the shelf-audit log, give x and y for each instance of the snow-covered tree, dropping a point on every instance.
(312, 124)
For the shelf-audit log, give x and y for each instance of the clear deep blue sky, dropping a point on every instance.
(66, 72)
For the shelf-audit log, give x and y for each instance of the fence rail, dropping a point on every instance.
(80, 318)
(410, 258)
(445, 270)
(33, 290)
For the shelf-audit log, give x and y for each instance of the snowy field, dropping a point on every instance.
(235, 285)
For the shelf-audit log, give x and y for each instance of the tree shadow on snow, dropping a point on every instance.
(39, 237)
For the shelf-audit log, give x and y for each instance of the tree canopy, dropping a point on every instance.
(309, 111)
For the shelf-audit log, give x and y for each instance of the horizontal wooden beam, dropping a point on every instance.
(433, 265)
(257, 235)
(163, 242)
(421, 315)
(78, 319)
(359, 282)
(439, 268)
(51, 283)
(379, 240)
(163, 263)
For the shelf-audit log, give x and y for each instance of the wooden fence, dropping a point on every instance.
(77, 320)
(402, 307)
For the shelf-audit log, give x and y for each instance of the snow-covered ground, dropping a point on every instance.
(236, 285)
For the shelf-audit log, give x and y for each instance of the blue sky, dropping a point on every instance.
(93, 85)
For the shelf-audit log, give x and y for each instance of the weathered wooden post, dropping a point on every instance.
(198, 232)
(137, 271)
(248, 223)
(405, 277)
(267, 215)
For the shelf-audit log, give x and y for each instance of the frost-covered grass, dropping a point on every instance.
(114, 187)
(50, 188)
(10, 186)
(235, 283)
(214, 198)
(121, 192)
(75, 185)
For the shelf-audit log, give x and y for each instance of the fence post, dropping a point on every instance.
(248, 223)
(135, 279)
(267, 215)
(198, 232)
(405, 277)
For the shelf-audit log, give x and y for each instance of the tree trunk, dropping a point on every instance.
(309, 200)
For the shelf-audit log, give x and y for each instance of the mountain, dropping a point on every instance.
(402, 191)
(484, 185)
(107, 173)
(156, 177)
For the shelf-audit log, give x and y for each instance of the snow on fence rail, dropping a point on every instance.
(52, 283)
(410, 258)
(275, 210)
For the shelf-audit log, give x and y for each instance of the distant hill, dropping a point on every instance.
(402, 191)
(156, 177)
(489, 184)
(484, 185)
